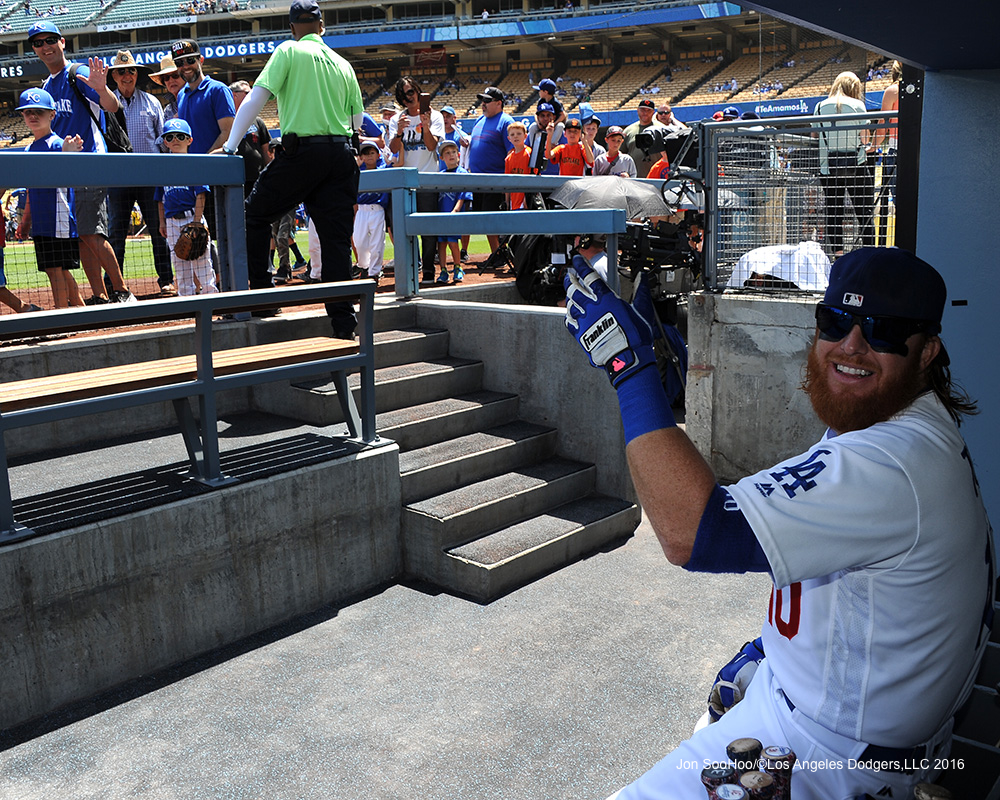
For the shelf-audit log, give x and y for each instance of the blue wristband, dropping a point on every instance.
(644, 405)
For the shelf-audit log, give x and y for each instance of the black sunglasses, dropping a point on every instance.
(183, 62)
(47, 40)
(409, 92)
(128, 70)
(883, 334)
(169, 137)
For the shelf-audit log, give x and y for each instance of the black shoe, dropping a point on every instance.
(428, 278)
(344, 333)
(96, 301)
(282, 276)
(265, 313)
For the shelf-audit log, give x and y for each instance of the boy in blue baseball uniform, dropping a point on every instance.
(50, 215)
(369, 218)
(180, 205)
(453, 203)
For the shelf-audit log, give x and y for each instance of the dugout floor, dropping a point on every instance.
(568, 687)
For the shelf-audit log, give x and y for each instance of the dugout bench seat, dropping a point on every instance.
(200, 374)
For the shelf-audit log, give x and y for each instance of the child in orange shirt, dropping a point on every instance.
(574, 156)
(517, 160)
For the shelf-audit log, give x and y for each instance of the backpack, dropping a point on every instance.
(116, 133)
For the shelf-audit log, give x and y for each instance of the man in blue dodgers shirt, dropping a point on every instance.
(72, 118)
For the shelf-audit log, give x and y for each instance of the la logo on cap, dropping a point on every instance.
(851, 299)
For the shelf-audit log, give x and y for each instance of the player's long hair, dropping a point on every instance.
(952, 396)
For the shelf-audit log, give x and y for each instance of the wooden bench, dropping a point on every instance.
(200, 374)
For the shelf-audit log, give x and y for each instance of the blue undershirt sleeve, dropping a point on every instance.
(725, 542)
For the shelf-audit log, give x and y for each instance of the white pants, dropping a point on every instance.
(369, 237)
(826, 766)
(315, 257)
(184, 270)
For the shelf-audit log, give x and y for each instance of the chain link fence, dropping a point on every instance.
(792, 195)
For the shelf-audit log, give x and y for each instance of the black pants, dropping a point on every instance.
(121, 201)
(427, 202)
(324, 175)
(847, 178)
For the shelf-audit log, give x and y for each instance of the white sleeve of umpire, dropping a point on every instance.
(247, 113)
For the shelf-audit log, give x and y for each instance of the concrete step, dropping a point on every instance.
(447, 520)
(428, 423)
(466, 459)
(315, 400)
(513, 556)
(405, 345)
(391, 314)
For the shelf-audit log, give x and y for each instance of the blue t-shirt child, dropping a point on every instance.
(52, 210)
(447, 200)
(178, 200)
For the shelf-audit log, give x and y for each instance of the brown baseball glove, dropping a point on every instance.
(192, 242)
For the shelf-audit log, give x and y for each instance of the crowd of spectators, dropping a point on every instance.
(553, 144)
(199, 7)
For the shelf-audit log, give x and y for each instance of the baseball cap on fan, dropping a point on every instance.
(43, 27)
(491, 93)
(36, 98)
(547, 85)
(184, 47)
(304, 11)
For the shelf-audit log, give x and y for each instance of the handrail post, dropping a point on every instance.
(406, 251)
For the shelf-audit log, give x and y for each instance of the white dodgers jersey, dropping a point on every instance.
(881, 555)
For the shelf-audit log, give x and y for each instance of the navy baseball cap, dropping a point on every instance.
(304, 11)
(546, 107)
(43, 27)
(730, 112)
(36, 98)
(886, 282)
(547, 85)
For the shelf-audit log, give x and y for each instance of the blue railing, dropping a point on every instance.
(408, 224)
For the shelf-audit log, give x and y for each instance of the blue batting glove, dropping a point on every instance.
(733, 679)
(612, 333)
(618, 339)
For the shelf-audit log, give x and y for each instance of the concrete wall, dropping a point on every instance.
(746, 356)
(87, 608)
(527, 350)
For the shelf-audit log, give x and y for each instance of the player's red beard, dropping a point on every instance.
(844, 412)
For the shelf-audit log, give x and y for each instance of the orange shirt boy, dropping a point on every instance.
(574, 156)
(517, 160)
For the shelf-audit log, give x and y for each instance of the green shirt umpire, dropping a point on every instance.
(320, 106)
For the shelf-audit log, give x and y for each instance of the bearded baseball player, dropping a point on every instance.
(876, 538)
